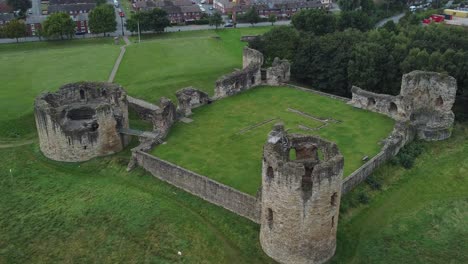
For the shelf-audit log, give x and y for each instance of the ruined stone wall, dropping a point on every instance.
(81, 121)
(190, 98)
(251, 56)
(300, 198)
(201, 186)
(143, 109)
(402, 134)
(425, 101)
(252, 75)
(164, 117)
(278, 73)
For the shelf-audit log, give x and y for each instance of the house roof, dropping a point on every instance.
(6, 17)
(67, 8)
(4, 7)
(65, 2)
(171, 7)
(35, 19)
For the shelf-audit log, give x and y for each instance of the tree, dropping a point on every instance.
(216, 20)
(251, 16)
(157, 20)
(15, 29)
(354, 19)
(272, 18)
(279, 42)
(59, 25)
(102, 19)
(314, 21)
(22, 5)
(154, 20)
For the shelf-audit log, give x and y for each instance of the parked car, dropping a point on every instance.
(203, 1)
(211, 8)
(228, 25)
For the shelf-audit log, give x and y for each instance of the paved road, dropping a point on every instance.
(394, 18)
(169, 29)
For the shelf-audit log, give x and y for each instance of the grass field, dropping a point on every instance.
(163, 64)
(96, 212)
(214, 144)
(28, 69)
(421, 216)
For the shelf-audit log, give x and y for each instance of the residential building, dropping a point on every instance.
(178, 11)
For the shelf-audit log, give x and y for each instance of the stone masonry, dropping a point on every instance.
(164, 117)
(81, 121)
(252, 74)
(425, 101)
(190, 98)
(300, 198)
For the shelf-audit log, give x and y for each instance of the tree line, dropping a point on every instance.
(332, 58)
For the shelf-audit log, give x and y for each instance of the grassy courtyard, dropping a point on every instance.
(163, 64)
(221, 144)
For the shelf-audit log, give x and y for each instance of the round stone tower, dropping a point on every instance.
(301, 191)
(81, 121)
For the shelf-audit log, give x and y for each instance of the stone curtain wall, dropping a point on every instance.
(400, 136)
(214, 192)
(143, 109)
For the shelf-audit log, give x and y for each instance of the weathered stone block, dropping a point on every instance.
(190, 98)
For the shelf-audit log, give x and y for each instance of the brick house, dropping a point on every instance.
(281, 8)
(6, 18)
(178, 11)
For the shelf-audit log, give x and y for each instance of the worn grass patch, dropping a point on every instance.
(218, 145)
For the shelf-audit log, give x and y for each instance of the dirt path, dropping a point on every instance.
(123, 49)
(14, 144)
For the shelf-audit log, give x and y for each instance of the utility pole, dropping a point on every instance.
(138, 25)
(121, 23)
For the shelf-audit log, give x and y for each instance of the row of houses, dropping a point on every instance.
(178, 11)
(77, 9)
(280, 8)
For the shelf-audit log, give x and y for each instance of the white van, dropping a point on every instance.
(116, 3)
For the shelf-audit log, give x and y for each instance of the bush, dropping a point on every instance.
(408, 154)
(374, 182)
(363, 197)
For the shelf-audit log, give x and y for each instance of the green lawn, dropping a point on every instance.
(165, 63)
(96, 212)
(213, 146)
(421, 216)
(28, 69)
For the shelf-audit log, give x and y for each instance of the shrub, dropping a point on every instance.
(408, 154)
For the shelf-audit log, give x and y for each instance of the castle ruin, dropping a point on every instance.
(252, 74)
(81, 121)
(300, 197)
(425, 101)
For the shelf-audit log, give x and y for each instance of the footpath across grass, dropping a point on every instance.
(220, 144)
(164, 63)
(419, 216)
